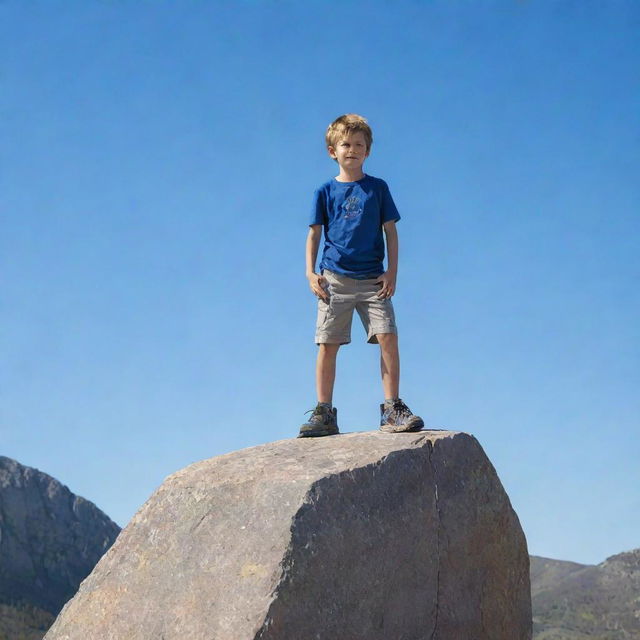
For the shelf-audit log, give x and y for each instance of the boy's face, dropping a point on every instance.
(350, 151)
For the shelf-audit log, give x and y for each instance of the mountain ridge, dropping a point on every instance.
(50, 540)
(572, 601)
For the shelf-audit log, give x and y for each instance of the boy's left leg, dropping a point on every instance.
(395, 416)
(378, 318)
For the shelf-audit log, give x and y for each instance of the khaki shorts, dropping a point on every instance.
(346, 294)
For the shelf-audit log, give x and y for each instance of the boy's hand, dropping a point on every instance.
(388, 288)
(315, 282)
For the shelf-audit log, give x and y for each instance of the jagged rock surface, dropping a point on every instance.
(359, 536)
(50, 539)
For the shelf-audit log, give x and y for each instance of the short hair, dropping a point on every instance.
(344, 125)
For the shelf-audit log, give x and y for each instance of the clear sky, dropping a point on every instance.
(157, 165)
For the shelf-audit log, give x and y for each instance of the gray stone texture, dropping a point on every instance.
(362, 536)
(50, 539)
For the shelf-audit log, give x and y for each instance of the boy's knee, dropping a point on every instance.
(328, 347)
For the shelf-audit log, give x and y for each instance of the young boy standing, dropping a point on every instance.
(354, 208)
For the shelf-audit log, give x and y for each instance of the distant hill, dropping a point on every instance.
(573, 601)
(50, 540)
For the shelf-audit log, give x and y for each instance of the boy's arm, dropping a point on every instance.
(388, 278)
(315, 280)
(391, 234)
(313, 242)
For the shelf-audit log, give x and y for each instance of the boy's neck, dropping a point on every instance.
(349, 176)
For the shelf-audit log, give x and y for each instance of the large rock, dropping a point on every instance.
(365, 536)
(50, 539)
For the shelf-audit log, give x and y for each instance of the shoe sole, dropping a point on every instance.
(318, 434)
(388, 428)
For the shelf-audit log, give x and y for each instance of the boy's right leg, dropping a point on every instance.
(333, 328)
(324, 420)
(326, 371)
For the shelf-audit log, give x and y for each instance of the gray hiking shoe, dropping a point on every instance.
(396, 417)
(323, 422)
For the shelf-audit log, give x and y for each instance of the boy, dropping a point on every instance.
(354, 208)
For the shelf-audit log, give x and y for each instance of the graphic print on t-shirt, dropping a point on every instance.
(352, 207)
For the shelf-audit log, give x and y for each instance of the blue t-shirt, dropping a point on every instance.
(352, 214)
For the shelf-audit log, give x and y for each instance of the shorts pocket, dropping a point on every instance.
(323, 314)
(337, 304)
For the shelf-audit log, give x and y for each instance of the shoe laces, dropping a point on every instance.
(318, 409)
(401, 408)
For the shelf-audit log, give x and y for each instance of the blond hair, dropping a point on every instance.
(345, 125)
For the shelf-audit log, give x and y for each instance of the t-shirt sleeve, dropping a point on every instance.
(388, 209)
(318, 208)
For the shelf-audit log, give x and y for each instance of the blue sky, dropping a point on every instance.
(157, 166)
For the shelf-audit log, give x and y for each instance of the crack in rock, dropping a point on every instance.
(435, 487)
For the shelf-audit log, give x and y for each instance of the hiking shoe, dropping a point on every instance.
(396, 417)
(323, 422)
